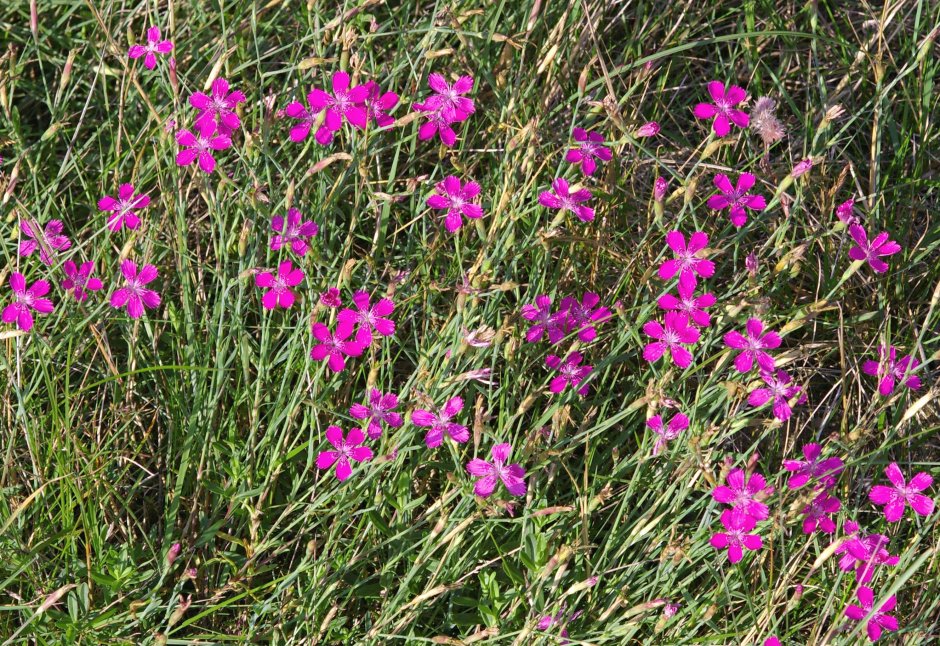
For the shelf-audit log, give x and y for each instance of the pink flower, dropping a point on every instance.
(689, 304)
(331, 298)
(660, 186)
(561, 616)
(294, 232)
(846, 212)
(346, 449)
(133, 294)
(368, 317)
(582, 316)
(308, 118)
(440, 423)
(47, 241)
(863, 553)
(336, 347)
(772, 641)
(344, 104)
(778, 389)
(826, 471)
(278, 292)
(78, 279)
(666, 432)
(200, 147)
(457, 199)
(817, 513)
(26, 299)
(217, 112)
(736, 537)
(379, 408)
(378, 105)
(722, 110)
(752, 346)
(571, 373)
(123, 209)
(670, 336)
(741, 493)
(872, 251)
(544, 321)
(489, 473)
(686, 262)
(435, 124)
(561, 198)
(588, 147)
(901, 494)
(448, 100)
(802, 167)
(736, 198)
(880, 619)
(153, 47)
(891, 370)
(650, 129)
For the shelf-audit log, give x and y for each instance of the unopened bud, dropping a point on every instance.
(173, 553)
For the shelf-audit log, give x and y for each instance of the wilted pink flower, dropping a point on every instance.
(666, 432)
(650, 129)
(736, 198)
(880, 619)
(736, 537)
(217, 112)
(336, 347)
(846, 212)
(201, 147)
(588, 147)
(347, 449)
(379, 408)
(47, 241)
(489, 473)
(780, 390)
(378, 104)
(544, 321)
(890, 370)
(345, 103)
(689, 304)
(872, 251)
(752, 346)
(671, 336)
(133, 294)
(457, 199)
(561, 198)
(278, 292)
(583, 315)
(826, 471)
(660, 186)
(448, 100)
(902, 493)
(153, 47)
(293, 231)
(440, 423)
(817, 513)
(722, 110)
(687, 263)
(331, 298)
(79, 279)
(571, 372)
(750, 264)
(369, 317)
(741, 493)
(561, 616)
(25, 300)
(863, 552)
(123, 209)
(802, 167)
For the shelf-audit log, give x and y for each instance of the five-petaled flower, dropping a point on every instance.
(293, 231)
(736, 198)
(687, 262)
(78, 279)
(217, 111)
(489, 473)
(26, 300)
(873, 250)
(571, 373)
(562, 198)
(817, 513)
(902, 493)
(891, 370)
(123, 210)
(880, 619)
(336, 347)
(666, 431)
(825, 471)
(47, 240)
(736, 537)
(589, 146)
(672, 335)
(780, 390)
(345, 103)
(448, 98)
(689, 304)
(753, 346)
(200, 146)
(155, 45)
(346, 449)
(544, 321)
(583, 315)
(863, 553)
(133, 294)
(278, 288)
(742, 493)
(440, 423)
(378, 104)
(457, 199)
(369, 317)
(722, 110)
(379, 408)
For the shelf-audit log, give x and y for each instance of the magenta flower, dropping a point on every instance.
(25, 300)
(880, 619)
(544, 320)
(772, 641)
(722, 110)
(336, 347)
(666, 432)
(331, 298)
(347, 449)
(817, 513)
(583, 316)
(863, 553)
(344, 104)
(689, 304)
(293, 231)
(217, 112)
(561, 616)
(588, 147)
(123, 210)
(752, 346)
(308, 118)
(457, 199)
(826, 471)
(379, 409)
(561, 198)
(741, 493)
(378, 105)
(153, 47)
(435, 124)
(660, 186)
(671, 336)
(736, 198)
(370, 317)
(686, 262)
(872, 251)
(650, 129)
(200, 147)
(278, 292)
(901, 494)
(736, 537)
(489, 473)
(47, 241)
(440, 423)
(890, 370)
(571, 373)
(846, 212)
(448, 100)
(79, 279)
(133, 294)
(778, 389)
